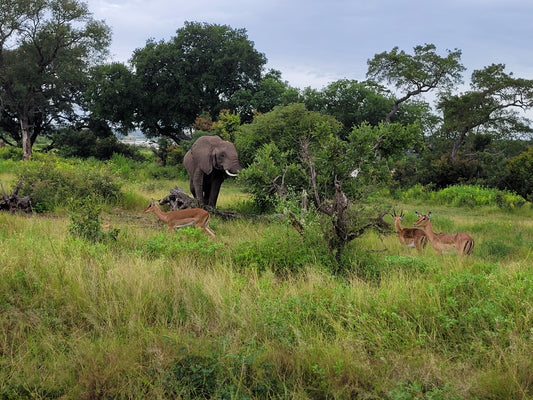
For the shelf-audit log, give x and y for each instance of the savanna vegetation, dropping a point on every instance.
(99, 301)
(308, 293)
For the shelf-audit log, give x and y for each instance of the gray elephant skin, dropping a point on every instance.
(209, 161)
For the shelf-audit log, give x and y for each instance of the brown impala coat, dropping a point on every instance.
(409, 237)
(445, 242)
(181, 218)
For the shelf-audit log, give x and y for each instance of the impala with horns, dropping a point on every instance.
(197, 217)
(461, 242)
(410, 237)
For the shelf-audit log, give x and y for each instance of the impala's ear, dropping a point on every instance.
(429, 214)
(417, 213)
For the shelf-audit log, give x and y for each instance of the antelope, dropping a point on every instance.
(410, 237)
(443, 242)
(181, 218)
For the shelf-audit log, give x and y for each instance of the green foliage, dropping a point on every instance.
(519, 174)
(194, 376)
(92, 143)
(350, 102)
(227, 124)
(85, 221)
(272, 147)
(371, 148)
(167, 153)
(51, 182)
(112, 94)
(465, 196)
(190, 74)
(44, 70)
(190, 241)
(284, 253)
(418, 391)
(10, 153)
(418, 73)
(266, 315)
(473, 196)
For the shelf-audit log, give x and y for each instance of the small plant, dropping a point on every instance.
(85, 221)
(417, 391)
(194, 376)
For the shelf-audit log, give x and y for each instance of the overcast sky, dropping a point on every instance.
(314, 43)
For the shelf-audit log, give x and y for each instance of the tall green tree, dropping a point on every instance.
(354, 103)
(47, 47)
(415, 74)
(199, 70)
(113, 95)
(491, 105)
(271, 91)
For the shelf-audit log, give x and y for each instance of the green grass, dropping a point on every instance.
(157, 315)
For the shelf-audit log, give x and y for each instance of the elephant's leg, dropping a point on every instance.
(208, 185)
(191, 187)
(197, 186)
(215, 189)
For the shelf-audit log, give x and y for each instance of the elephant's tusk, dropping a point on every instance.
(229, 173)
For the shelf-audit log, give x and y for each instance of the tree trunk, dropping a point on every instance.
(26, 137)
(458, 142)
(13, 202)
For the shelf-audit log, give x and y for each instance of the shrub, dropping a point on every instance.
(92, 143)
(473, 196)
(10, 153)
(465, 196)
(52, 182)
(519, 173)
(85, 221)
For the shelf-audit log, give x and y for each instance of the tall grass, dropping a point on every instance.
(261, 315)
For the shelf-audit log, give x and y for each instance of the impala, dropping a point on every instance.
(410, 237)
(445, 242)
(181, 218)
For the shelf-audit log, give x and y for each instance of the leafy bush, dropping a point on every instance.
(473, 196)
(465, 196)
(519, 173)
(417, 391)
(97, 142)
(193, 376)
(85, 221)
(51, 182)
(10, 153)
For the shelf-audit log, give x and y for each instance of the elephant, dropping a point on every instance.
(208, 162)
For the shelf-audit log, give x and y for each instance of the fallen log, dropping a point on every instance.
(178, 200)
(14, 202)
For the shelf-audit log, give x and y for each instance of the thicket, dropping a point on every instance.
(52, 182)
(464, 196)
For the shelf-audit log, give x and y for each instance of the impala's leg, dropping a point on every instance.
(210, 232)
(204, 225)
